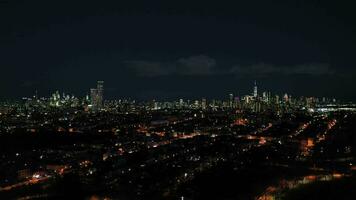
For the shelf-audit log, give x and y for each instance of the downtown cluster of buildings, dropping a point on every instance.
(94, 101)
(255, 102)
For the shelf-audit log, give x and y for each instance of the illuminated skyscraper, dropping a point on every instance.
(93, 97)
(277, 99)
(264, 96)
(100, 94)
(231, 100)
(203, 103)
(96, 96)
(255, 90)
(286, 97)
(181, 103)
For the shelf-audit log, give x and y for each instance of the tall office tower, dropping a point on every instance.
(277, 99)
(203, 104)
(286, 97)
(247, 99)
(94, 98)
(231, 100)
(213, 104)
(196, 104)
(181, 103)
(269, 97)
(264, 96)
(100, 94)
(255, 90)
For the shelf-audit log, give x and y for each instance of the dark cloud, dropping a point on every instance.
(269, 69)
(204, 65)
(194, 65)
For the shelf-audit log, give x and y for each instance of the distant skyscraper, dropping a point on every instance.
(181, 103)
(264, 96)
(96, 96)
(203, 103)
(93, 97)
(286, 97)
(277, 99)
(100, 94)
(255, 90)
(231, 100)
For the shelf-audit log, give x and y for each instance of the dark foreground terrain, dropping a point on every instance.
(192, 155)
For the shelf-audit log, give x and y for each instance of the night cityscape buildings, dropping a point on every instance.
(97, 96)
(188, 100)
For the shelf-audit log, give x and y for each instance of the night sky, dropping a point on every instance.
(178, 49)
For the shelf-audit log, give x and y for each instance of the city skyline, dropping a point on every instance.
(96, 95)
